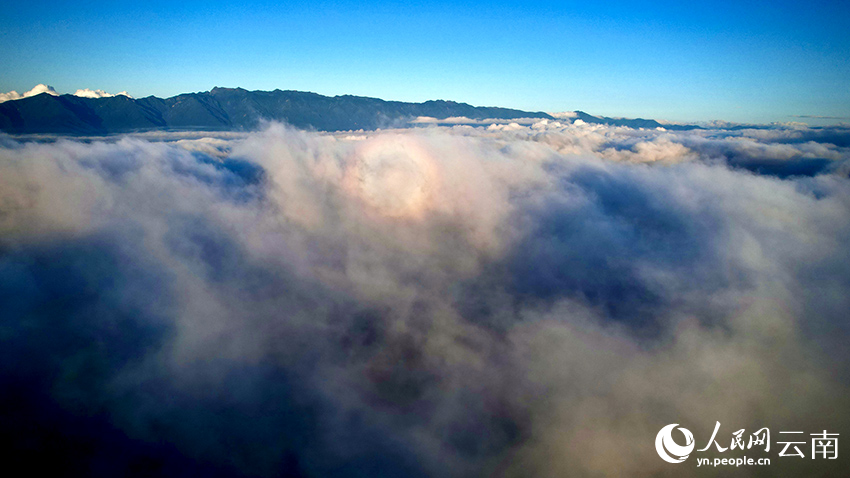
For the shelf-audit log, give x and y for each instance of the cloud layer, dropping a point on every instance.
(504, 301)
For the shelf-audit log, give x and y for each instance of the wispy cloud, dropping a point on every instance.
(822, 117)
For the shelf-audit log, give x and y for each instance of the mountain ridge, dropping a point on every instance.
(237, 109)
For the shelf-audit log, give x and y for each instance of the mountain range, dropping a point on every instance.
(239, 109)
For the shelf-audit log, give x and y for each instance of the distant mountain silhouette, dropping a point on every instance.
(240, 109)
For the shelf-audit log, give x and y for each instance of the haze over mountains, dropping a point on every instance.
(240, 109)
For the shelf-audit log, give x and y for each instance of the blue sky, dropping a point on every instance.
(738, 61)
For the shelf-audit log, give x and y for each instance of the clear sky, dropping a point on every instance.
(748, 61)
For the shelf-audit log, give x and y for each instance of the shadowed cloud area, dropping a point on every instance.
(506, 300)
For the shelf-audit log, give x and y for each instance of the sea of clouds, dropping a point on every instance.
(510, 300)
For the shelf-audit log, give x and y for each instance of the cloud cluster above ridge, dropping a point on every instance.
(87, 93)
(41, 88)
(37, 90)
(499, 300)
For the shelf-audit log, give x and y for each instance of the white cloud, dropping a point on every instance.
(564, 114)
(462, 120)
(12, 95)
(87, 93)
(37, 90)
(42, 88)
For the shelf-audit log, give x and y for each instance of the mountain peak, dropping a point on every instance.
(222, 89)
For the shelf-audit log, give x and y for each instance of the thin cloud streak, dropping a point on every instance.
(822, 117)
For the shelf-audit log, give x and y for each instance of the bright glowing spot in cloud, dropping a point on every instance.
(393, 174)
